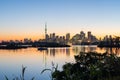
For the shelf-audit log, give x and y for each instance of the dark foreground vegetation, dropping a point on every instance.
(88, 66)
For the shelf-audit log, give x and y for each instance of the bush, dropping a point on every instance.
(90, 66)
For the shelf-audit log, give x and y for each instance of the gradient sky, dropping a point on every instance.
(26, 18)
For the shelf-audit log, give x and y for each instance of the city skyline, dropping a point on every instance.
(26, 18)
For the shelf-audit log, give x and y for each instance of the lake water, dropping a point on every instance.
(11, 61)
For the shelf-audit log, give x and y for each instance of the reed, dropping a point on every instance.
(21, 77)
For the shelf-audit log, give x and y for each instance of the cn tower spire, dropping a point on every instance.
(45, 29)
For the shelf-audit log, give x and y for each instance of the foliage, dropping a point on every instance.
(90, 66)
(53, 70)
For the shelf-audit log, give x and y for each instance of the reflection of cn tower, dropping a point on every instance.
(46, 32)
(45, 57)
(68, 51)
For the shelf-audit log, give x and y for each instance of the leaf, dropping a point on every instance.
(56, 67)
(23, 72)
(45, 70)
(33, 78)
(6, 77)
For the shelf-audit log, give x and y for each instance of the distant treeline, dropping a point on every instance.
(110, 42)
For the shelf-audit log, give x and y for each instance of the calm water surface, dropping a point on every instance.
(11, 61)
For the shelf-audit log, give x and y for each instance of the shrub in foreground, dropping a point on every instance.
(90, 66)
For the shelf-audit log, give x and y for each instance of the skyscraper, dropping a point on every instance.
(89, 35)
(46, 31)
(82, 35)
(68, 36)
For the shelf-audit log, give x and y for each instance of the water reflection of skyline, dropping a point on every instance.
(74, 50)
(78, 49)
(58, 52)
(55, 51)
(68, 51)
(39, 60)
(113, 50)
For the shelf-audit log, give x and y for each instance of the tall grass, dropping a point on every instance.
(52, 70)
(21, 77)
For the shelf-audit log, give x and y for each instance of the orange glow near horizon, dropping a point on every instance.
(20, 37)
(37, 36)
(33, 37)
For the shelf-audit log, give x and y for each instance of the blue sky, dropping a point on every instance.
(26, 18)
